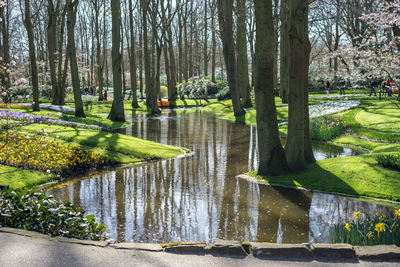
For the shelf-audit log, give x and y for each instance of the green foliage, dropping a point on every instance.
(391, 160)
(33, 211)
(326, 127)
(197, 88)
(22, 90)
(378, 230)
(224, 94)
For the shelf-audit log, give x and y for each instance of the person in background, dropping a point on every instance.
(342, 86)
(328, 85)
(105, 95)
(373, 86)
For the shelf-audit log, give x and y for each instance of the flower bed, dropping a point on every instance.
(378, 230)
(20, 116)
(331, 107)
(36, 153)
(326, 127)
(33, 211)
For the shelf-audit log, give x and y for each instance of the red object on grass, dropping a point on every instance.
(164, 103)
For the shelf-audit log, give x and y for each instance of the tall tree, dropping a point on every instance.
(298, 60)
(117, 108)
(271, 154)
(242, 61)
(132, 58)
(72, 8)
(284, 51)
(225, 9)
(5, 49)
(32, 55)
(99, 60)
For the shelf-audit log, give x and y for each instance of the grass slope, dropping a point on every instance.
(17, 178)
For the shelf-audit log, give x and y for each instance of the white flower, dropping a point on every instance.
(48, 171)
(59, 114)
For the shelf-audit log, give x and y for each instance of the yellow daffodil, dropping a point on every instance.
(380, 227)
(347, 226)
(357, 214)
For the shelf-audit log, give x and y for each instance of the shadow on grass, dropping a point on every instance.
(315, 178)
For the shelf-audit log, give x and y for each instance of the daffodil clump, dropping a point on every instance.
(377, 230)
(326, 127)
(39, 153)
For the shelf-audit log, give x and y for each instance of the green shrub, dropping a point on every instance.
(391, 160)
(378, 230)
(29, 210)
(326, 127)
(197, 88)
(224, 94)
(22, 90)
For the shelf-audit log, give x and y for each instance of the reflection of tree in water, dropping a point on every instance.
(198, 198)
(327, 210)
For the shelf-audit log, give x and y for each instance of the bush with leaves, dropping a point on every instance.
(34, 211)
(391, 160)
(197, 88)
(224, 94)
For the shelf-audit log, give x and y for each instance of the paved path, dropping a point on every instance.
(16, 250)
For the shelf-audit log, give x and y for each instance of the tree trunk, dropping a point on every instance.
(117, 108)
(71, 19)
(308, 151)
(214, 43)
(284, 50)
(271, 154)
(62, 73)
(5, 49)
(132, 59)
(100, 65)
(242, 61)
(32, 56)
(297, 62)
(51, 46)
(225, 22)
(205, 46)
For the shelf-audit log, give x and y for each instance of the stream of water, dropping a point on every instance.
(199, 198)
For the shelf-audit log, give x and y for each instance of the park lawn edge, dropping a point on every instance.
(335, 176)
(17, 177)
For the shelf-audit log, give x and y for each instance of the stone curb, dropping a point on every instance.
(238, 249)
(138, 246)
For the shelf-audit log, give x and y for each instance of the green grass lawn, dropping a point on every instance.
(17, 178)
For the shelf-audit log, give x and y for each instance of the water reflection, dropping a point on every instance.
(198, 198)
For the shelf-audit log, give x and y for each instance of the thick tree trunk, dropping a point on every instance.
(71, 19)
(271, 154)
(284, 51)
(308, 151)
(51, 46)
(32, 56)
(242, 61)
(5, 49)
(117, 108)
(225, 22)
(297, 62)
